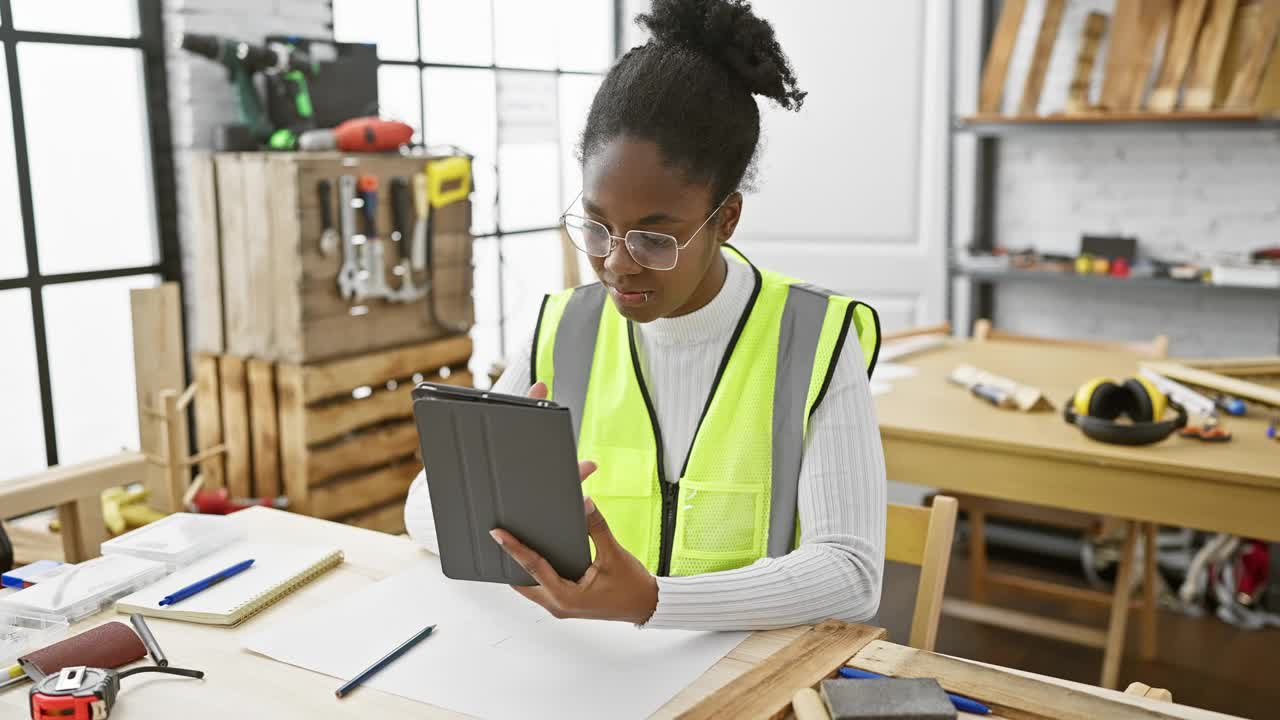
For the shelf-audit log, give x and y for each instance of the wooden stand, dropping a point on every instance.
(336, 437)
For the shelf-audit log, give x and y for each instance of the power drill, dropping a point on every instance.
(243, 61)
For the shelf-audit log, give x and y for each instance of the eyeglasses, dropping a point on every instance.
(653, 250)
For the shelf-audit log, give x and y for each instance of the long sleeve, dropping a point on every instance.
(418, 520)
(837, 569)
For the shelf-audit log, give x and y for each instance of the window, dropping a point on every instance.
(509, 82)
(84, 144)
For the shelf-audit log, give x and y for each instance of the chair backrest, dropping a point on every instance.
(1157, 347)
(922, 536)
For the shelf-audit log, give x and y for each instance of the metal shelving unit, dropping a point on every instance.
(1005, 125)
(1106, 282)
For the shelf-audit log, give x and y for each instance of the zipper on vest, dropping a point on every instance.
(670, 494)
(669, 490)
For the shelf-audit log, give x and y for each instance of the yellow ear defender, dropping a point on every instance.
(1096, 406)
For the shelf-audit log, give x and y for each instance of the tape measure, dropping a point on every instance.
(85, 693)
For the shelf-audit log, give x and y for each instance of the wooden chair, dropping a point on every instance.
(978, 509)
(922, 536)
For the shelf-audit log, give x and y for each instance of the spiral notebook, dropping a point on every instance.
(277, 571)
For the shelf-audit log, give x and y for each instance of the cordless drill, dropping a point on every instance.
(243, 61)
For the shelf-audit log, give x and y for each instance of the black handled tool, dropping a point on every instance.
(400, 216)
(328, 233)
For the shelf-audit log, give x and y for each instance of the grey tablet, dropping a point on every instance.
(495, 460)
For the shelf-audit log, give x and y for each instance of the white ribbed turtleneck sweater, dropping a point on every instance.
(836, 571)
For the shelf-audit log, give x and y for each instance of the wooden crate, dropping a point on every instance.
(336, 437)
(266, 291)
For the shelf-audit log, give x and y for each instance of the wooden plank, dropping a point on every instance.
(1052, 589)
(61, 483)
(263, 428)
(341, 376)
(177, 473)
(237, 298)
(1150, 603)
(1113, 652)
(1269, 93)
(209, 419)
(1157, 19)
(1009, 695)
(1248, 78)
(1024, 622)
(1095, 26)
(333, 420)
(996, 66)
(1177, 55)
(159, 364)
(807, 704)
(1244, 33)
(257, 237)
(293, 436)
(202, 198)
(82, 528)
(766, 690)
(1126, 39)
(358, 494)
(358, 452)
(933, 573)
(285, 244)
(1242, 389)
(388, 519)
(235, 425)
(1048, 35)
(1212, 45)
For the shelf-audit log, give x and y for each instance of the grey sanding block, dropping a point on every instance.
(887, 699)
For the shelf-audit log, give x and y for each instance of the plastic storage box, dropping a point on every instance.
(178, 539)
(82, 591)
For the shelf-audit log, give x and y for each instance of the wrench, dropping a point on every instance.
(374, 269)
(350, 284)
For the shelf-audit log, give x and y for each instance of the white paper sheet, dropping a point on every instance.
(494, 654)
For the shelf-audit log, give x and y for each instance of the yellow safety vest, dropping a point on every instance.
(736, 497)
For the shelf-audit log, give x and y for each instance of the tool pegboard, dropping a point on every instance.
(314, 256)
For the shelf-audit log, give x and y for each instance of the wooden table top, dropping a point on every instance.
(928, 408)
(240, 684)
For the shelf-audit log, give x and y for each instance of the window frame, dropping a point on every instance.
(498, 233)
(150, 43)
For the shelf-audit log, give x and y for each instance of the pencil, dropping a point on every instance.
(390, 657)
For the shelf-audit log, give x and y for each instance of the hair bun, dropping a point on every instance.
(730, 32)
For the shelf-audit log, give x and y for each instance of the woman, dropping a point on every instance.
(738, 478)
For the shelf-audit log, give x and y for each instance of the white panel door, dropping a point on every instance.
(851, 190)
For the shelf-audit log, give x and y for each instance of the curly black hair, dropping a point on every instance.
(689, 89)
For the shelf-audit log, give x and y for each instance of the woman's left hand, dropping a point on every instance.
(616, 586)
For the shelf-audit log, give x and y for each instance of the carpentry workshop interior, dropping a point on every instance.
(640, 358)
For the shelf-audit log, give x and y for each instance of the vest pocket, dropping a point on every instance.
(623, 487)
(719, 523)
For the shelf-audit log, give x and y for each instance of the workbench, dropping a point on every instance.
(938, 435)
(239, 684)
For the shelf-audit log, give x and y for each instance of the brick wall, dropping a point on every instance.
(1180, 193)
(200, 97)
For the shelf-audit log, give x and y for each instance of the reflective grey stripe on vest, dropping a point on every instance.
(800, 329)
(575, 346)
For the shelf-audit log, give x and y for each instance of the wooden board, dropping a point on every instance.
(330, 421)
(765, 691)
(375, 489)
(1126, 38)
(235, 425)
(202, 198)
(291, 395)
(258, 241)
(1211, 46)
(1048, 35)
(387, 519)
(996, 67)
(1011, 696)
(1156, 20)
(209, 419)
(159, 364)
(1269, 93)
(338, 377)
(1248, 78)
(263, 428)
(1215, 381)
(1095, 26)
(238, 301)
(1177, 55)
(360, 451)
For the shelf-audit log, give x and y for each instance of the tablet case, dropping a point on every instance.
(500, 461)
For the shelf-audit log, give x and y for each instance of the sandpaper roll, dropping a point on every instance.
(111, 645)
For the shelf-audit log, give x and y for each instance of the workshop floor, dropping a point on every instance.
(1203, 662)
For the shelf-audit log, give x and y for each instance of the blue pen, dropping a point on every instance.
(205, 584)
(962, 704)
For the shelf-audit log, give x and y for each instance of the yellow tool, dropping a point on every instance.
(448, 180)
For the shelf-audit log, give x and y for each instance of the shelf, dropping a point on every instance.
(1105, 281)
(991, 125)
